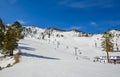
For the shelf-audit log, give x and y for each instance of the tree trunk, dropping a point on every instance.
(108, 60)
(11, 53)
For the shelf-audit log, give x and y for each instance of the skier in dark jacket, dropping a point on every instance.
(114, 61)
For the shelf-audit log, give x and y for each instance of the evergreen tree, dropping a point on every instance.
(43, 36)
(2, 30)
(10, 42)
(2, 26)
(18, 29)
(107, 44)
(11, 38)
(1, 38)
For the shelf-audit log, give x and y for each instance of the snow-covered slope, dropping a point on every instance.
(31, 31)
(41, 58)
(55, 56)
(57, 34)
(35, 32)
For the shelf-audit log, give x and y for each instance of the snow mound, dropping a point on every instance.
(6, 61)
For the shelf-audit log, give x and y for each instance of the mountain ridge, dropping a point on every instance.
(32, 30)
(76, 30)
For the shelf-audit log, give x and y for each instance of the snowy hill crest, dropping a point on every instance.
(35, 32)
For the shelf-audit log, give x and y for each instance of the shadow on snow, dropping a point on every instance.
(22, 43)
(37, 56)
(26, 48)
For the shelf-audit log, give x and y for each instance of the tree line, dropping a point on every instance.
(9, 37)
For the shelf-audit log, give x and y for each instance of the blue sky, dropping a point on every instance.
(93, 16)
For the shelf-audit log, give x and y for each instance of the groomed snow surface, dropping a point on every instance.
(56, 58)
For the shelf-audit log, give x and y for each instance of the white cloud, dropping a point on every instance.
(21, 21)
(76, 27)
(93, 23)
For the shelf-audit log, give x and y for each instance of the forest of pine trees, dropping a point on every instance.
(9, 37)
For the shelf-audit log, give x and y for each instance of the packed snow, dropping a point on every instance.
(6, 62)
(44, 59)
(62, 57)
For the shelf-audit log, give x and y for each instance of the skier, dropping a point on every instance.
(114, 61)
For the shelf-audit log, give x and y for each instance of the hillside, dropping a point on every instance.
(43, 59)
(35, 32)
(54, 56)
(53, 34)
